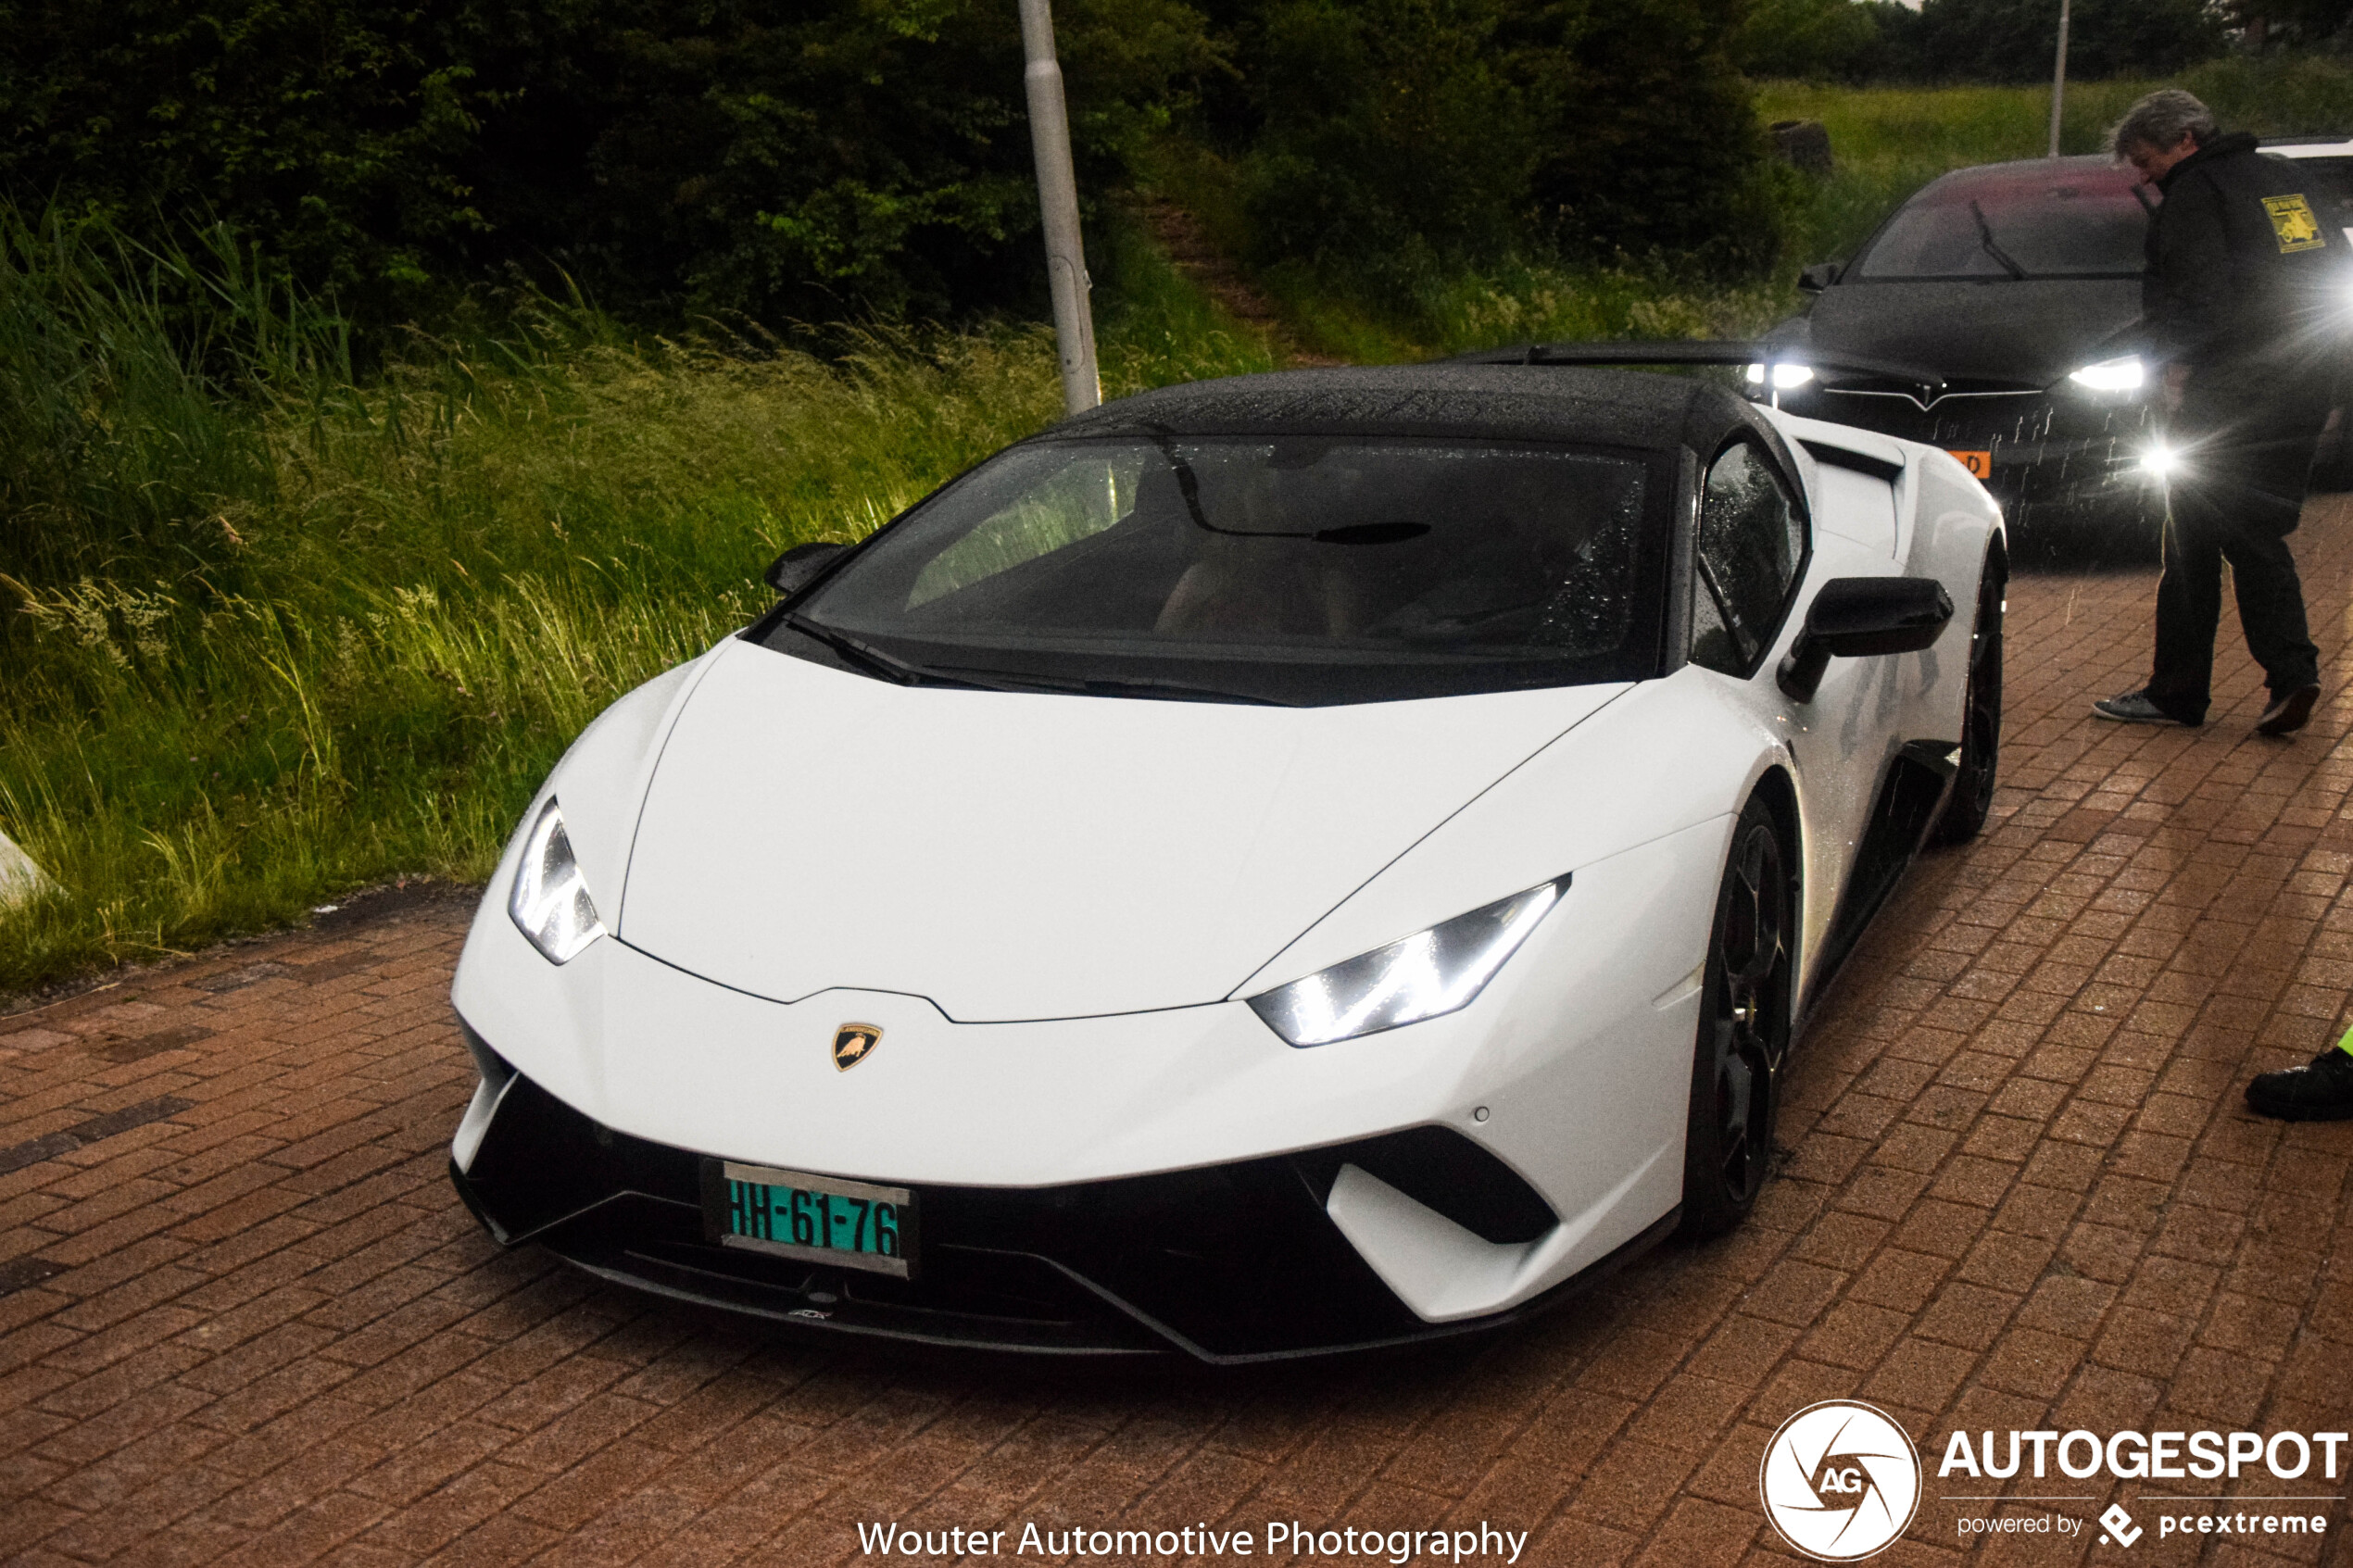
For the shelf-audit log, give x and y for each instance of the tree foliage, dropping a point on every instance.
(2308, 23)
(1385, 137)
(768, 158)
(1810, 39)
(2016, 39)
(1982, 40)
(782, 160)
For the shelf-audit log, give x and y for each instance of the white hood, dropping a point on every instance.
(1013, 855)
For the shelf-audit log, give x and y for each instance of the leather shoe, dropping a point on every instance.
(2134, 708)
(2320, 1092)
(2289, 712)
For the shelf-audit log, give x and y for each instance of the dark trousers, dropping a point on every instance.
(2245, 451)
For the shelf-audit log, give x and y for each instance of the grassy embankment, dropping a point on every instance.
(273, 635)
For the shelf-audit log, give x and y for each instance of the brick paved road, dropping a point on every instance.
(245, 1321)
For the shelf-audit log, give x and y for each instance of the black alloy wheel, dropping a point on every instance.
(1743, 1030)
(1972, 796)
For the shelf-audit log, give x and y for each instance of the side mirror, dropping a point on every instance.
(1860, 617)
(798, 567)
(1817, 278)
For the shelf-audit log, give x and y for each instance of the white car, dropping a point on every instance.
(1266, 867)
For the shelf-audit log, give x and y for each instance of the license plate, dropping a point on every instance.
(1977, 463)
(815, 1219)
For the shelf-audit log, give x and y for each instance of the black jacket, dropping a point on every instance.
(2246, 269)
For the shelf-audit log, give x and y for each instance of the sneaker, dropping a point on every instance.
(2321, 1092)
(2134, 708)
(2289, 712)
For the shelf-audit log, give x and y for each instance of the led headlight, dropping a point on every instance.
(550, 902)
(1424, 977)
(1785, 375)
(2112, 375)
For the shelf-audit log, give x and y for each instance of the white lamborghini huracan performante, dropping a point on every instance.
(1266, 867)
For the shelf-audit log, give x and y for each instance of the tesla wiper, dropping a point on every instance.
(1985, 239)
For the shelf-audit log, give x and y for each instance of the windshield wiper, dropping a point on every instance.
(1985, 239)
(877, 662)
(1093, 685)
(1183, 691)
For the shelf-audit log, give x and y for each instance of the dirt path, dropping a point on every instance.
(1180, 233)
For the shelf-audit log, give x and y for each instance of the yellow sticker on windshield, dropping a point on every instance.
(2292, 221)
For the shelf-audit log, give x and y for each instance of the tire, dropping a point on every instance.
(1744, 1029)
(1972, 796)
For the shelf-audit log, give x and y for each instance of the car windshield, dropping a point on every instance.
(1301, 571)
(2076, 223)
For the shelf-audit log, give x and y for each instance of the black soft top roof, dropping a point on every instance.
(1507, 402)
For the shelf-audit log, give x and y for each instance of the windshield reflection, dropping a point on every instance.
(1286, 570)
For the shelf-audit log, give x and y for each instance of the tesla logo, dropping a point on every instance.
(853, 1043)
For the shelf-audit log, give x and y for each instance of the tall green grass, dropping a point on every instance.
(270, 632)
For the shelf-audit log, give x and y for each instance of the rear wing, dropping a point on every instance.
(1697, 351)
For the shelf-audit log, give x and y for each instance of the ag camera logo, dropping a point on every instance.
(1841, 1480)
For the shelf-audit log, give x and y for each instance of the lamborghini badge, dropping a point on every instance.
(852, 1042)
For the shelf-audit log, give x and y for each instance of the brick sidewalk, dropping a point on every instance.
(243, 1318)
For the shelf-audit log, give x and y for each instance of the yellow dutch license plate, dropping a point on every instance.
(1979, 463)
(815, 1219)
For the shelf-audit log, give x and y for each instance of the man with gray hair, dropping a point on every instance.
(2240, 317)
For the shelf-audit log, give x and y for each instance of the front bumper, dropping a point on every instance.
(2046, 448)
(1235, 1262)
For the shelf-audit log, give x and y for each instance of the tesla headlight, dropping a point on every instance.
(1786, 376)
(1426, 975)
(2112, 375)
(550, 902)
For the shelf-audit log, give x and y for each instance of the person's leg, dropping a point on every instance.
(2189, 607)
(2271, 601)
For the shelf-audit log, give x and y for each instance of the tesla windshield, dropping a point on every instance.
(2088, 225)
(1286, 570)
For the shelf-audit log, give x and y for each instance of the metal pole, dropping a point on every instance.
(2059, 79)
(1058, 201)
